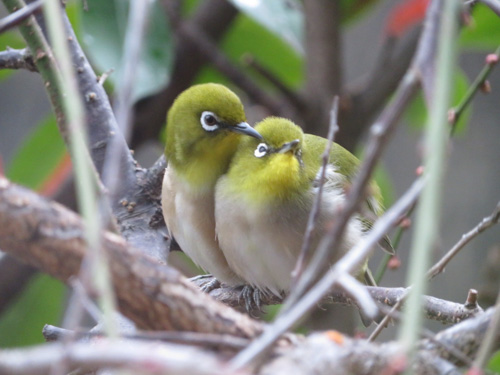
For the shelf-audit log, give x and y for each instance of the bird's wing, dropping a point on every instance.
(372, 206)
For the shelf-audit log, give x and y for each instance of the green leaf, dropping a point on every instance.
(38, 156)
(282, 17)
(484, 31)
(248, 37)
(416, 113)
(103, 33)
(10, 39)
(41, 303)
(352, 9)
(285, 18)
(494, 364)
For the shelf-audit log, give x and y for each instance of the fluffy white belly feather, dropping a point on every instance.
(262, 244)
(189, 216)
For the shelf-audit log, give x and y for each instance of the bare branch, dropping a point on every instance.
(207, 340)
(135, 356)
(20, 15)
(17, 59)
(50, 237)
(486, 223)
(380, 132)
(314, 214)
(490, 338)
(102, 128)
(457, 111)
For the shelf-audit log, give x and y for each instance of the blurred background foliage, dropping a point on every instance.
(271, 32)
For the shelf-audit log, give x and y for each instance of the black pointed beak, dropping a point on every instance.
(245, 128)
(290, 146)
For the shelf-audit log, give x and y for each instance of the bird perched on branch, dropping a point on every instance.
(204, 127)
(262, 204)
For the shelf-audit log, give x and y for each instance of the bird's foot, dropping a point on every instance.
(252, 298)
(206, 283)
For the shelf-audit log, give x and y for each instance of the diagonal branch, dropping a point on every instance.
(134, 208)
(50, 237)
(20, 15)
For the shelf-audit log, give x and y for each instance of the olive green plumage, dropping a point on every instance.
(264, 200)
(204, 127)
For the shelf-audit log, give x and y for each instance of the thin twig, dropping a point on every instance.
(395, 244)
(52, 333)
(314, 214)
(486, 223)
(428, 212)
(438, 267)
(14, 19)
(17, 59)
(494, 5)
(457, 111)
(380, 132)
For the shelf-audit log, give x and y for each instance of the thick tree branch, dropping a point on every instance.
(50, 237)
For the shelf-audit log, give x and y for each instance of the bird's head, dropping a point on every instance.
(272, 167)
(204, 126)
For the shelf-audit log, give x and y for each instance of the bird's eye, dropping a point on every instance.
(209, 121)
(261, 150)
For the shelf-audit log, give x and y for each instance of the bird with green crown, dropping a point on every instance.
(262, 204)
(204, 127)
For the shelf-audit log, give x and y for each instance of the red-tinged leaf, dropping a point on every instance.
(38, 156)
(60, 173)
(404, 16)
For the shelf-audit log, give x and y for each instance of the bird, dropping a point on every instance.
(263, 202)
(204, 126)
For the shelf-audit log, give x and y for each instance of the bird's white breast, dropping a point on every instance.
(262, 243)
(189, 215)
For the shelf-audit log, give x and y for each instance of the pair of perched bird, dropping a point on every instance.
(237, 199)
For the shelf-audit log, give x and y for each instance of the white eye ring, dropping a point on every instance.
(261, 150)
(209, 121)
